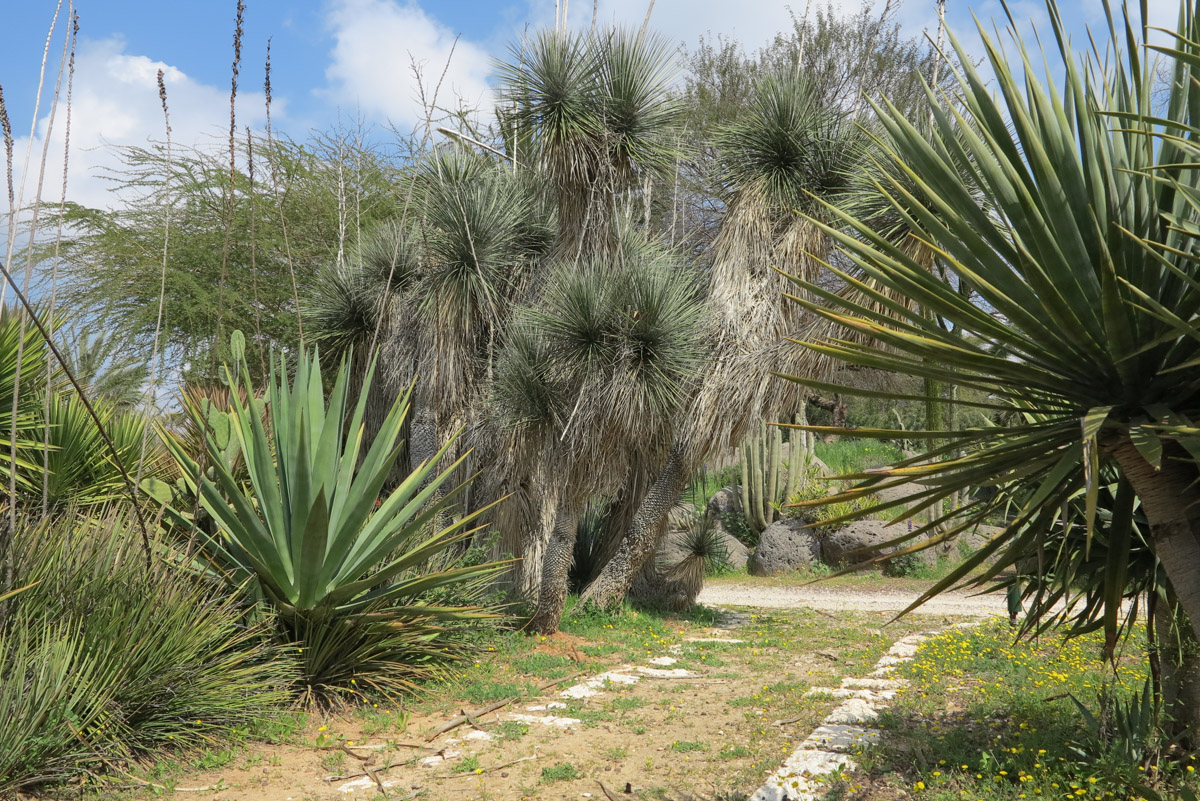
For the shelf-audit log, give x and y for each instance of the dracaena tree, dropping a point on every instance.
(1066, 219)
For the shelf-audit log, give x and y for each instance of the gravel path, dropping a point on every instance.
(954, 604)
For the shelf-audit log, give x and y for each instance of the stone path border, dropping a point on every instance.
(847, 728)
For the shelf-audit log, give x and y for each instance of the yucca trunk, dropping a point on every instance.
(556, 563)
(1170, 498)
(1178, 653)
(641, 540)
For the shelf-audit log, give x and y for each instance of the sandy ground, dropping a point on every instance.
(946, 604)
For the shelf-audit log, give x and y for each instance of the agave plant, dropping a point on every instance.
(1075, 240)
(312, 531)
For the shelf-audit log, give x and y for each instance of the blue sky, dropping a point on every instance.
(331, 58)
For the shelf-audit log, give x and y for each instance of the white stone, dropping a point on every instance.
(886, 670)
(842, 692)
(889, 661)
(815, 763)
(838, 737)
(579, 691)
(873, 684)
(545, 720)
(364, 783)
(673, 673)
(437, 759)
(853, 710)
(479, 735)
(713, 639)
(663, 660)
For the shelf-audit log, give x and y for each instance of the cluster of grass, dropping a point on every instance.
(989, 719)
(106, 658)
(849, 455)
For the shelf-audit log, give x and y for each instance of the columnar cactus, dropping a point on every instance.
(761, 469)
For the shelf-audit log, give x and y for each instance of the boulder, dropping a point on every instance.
(671, 551)
(784, 546)
(727, 500)
(838, 547)
(739, 554)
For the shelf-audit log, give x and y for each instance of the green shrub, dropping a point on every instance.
(107, 657)
(907, 565)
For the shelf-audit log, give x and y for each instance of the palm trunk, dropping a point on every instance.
(640, 541)
(1170, 497)
(555, 564)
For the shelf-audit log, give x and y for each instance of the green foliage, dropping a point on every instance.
(106, 368)
(588, 549)
(1069, 311)
(106, 657)
(229, 265)
(19, 338)
(310, 533)
(1022, 727)
(81, 468)
(850, 454)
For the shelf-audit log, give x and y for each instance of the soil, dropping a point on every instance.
(708, 732)
(879, 600)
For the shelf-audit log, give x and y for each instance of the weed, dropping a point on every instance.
(511, 730)
(333, 761)
(733, 752)
(561, 772)
(687, 746)
(547, 666)
(468, 764)
(624, 703)
(482, 692)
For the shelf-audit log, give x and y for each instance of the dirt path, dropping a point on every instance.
(775, 597)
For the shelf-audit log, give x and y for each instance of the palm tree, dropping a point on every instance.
(592, 383)
(105, 368)
(1076, 233)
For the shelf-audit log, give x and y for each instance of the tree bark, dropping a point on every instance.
(610, 587)
(1170, 497)
(555, 564)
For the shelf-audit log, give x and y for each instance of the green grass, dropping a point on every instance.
(510, 730)
(624, 703)
(849, 455)
(687, 746)
(561, 772)
(733, 752)
(989, 719)
(547, 666)
(468, 764)
(485, 690)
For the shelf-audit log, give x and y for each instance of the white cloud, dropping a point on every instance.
(116, 102)
(376, 45)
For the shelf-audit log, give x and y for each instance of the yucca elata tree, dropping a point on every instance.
(592, 383)
(788, 150)
(1076, 235)
(593, 113)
